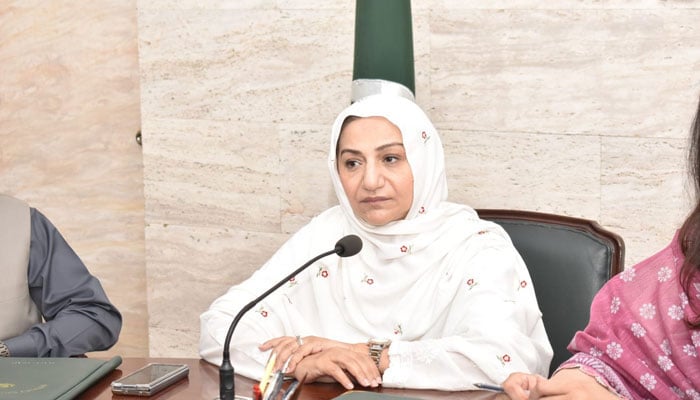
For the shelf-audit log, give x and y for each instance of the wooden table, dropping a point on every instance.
(203, 383)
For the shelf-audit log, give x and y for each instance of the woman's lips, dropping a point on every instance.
(373, 200)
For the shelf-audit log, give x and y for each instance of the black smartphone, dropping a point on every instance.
(150, 379)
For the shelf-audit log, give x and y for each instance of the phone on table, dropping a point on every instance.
(150, 379)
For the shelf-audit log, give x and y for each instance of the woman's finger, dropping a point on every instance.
(518, 385)
(303, 351)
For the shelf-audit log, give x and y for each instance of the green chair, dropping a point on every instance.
(569, 260)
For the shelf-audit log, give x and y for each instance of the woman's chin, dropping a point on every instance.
(378, 219)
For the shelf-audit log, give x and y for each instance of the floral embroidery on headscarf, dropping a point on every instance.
(367, 280)
(421, 210)
(292, 281)
(398, 330)
(261, 310)
(406, 249)
(424, 135)
(322, 272)
(471, 283)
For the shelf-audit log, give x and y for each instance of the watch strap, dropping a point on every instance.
(375, 352)
(376, 346)
(4, 351)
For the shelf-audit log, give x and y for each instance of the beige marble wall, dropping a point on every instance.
(572, 107)
(69, 110)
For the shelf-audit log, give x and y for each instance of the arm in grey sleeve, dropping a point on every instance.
(79, 317)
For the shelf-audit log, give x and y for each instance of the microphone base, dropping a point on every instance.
(227, 388)
(235, 397)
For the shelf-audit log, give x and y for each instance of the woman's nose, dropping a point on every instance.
(373, 177)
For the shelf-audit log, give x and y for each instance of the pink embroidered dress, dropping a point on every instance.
(637, 341)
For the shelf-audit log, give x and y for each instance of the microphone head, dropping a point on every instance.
(348, 246)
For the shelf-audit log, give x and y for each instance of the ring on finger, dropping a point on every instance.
(300, 341)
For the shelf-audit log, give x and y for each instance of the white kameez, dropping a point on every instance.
(447, 288)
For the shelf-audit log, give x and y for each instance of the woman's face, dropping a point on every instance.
(374, 171)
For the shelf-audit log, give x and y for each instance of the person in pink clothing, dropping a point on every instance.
(643, 337)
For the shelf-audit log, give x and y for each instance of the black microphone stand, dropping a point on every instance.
(227, 388)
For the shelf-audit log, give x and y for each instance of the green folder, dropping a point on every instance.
(362, 395)
(51, 378)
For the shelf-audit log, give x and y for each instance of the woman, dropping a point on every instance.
(446, 292)
(643, 336)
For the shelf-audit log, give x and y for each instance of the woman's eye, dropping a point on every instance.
(351, 163)
(391, 159)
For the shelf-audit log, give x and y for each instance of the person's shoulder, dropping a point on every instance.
(459, 211)
(469, 224)
(36, 214)
(665, 256)
(663, 263)
(39, 221)
(469, 215)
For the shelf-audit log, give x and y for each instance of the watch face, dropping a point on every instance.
(381, 342)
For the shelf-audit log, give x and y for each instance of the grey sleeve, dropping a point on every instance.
(78, 315)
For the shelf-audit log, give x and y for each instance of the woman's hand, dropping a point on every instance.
(283, 347)
(567, 384)
(294, 349)
(518, 385)
(343, 364)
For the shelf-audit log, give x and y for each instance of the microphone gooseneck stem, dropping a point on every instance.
(227, 388)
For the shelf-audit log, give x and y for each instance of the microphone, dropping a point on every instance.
(347, 246)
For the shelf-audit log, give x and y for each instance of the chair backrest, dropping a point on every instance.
(569, 259)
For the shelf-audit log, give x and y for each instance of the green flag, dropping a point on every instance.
(383, 49)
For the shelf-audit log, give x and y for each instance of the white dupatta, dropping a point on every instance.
(446, 287)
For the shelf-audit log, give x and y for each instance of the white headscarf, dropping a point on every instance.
(428, 218)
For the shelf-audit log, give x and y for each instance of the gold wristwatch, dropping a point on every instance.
(375, 349)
